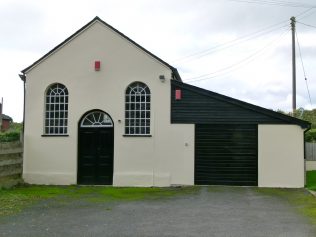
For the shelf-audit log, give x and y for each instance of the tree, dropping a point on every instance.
(310, 116)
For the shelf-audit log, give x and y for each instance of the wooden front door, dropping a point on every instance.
(95, 150)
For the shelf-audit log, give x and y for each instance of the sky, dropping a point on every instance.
(239, 48)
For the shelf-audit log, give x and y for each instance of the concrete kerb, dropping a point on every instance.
(311, 192)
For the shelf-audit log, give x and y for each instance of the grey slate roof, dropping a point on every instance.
(6, 117)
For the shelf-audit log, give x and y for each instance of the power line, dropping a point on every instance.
(277, 3)
(299, 49)
(241, 39)
(300, 16)
(232, 43)
(233, 66)
(306, 24)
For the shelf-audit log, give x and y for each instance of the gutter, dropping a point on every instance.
(23, 78)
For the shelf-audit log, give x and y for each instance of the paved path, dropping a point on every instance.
(238, 212)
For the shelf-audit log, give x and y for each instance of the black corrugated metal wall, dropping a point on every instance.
(226, 154)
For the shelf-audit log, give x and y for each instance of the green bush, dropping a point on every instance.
(10, 136)
(13, 134)
(310, 135)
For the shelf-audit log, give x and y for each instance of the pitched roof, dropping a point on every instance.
(175, 72)
(6, 117)
(245, 105)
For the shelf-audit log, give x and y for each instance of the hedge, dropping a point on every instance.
(10, 136)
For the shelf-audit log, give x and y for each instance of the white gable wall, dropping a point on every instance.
(164, 159)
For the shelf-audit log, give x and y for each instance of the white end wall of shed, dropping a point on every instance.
(281, 156)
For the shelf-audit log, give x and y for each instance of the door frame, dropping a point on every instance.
(78, 137)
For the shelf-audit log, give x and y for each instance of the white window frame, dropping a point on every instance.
(137, 109)
(96, 119)
(56, 110)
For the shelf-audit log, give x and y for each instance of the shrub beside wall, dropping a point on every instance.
(9, 136)
(13, 134)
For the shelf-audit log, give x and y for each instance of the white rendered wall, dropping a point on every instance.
(164, 159)
(280, 156)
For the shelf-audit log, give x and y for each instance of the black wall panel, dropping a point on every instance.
(199, 106)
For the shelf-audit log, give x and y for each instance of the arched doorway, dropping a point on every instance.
(95, 148)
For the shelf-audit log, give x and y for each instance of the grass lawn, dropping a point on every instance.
(15, 199)
(311, 180)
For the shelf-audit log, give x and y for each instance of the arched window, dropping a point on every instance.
(56, 110)
(96, 119)
(137, 109)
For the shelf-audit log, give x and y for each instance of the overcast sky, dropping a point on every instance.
(237, 48)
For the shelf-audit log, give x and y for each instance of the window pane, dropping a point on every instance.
(137, 114)
(126, 122)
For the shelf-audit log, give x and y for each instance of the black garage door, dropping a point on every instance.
(226, 154)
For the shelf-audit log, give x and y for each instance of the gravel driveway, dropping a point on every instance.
(213, 211)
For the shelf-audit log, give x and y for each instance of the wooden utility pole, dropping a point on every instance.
(293, 21)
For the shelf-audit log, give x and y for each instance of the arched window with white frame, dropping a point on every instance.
(56, 110)
(137, 109)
